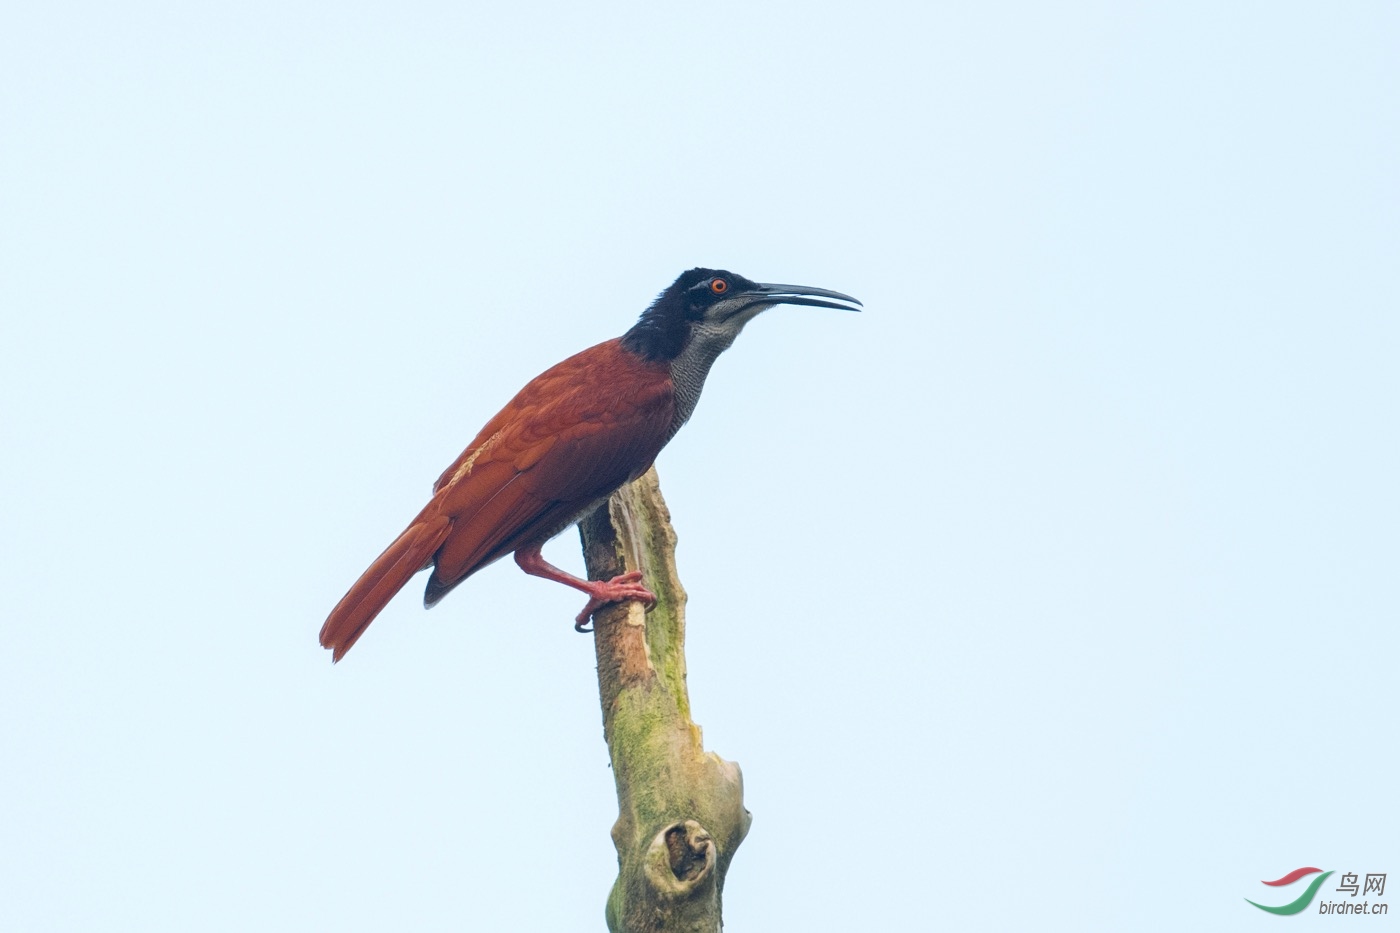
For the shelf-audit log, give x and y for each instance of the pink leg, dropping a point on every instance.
(627, 586)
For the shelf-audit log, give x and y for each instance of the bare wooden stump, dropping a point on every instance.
(681, 809)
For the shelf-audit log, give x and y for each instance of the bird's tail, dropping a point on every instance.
(409, 553)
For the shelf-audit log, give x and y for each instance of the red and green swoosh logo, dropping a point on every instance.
(1304, 899)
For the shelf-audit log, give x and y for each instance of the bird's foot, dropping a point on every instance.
(600, 594)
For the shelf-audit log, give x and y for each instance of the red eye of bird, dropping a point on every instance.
(719, 286)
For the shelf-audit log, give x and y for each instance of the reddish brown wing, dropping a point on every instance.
(569, 438)
(573, 435)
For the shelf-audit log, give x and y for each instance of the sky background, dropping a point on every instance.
(1058, 590)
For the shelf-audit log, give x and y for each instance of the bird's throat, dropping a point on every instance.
(692, 365)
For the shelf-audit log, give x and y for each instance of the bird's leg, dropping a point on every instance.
(600, 593)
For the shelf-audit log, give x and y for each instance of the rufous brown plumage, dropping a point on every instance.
(569, 438)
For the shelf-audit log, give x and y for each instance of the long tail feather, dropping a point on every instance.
(409, 553)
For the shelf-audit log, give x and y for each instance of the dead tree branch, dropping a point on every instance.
(681, 809)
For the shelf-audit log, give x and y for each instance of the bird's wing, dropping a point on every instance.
(570, 438)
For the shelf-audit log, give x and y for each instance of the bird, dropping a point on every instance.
(570, 438)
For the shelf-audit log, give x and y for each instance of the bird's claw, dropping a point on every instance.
(619, 588)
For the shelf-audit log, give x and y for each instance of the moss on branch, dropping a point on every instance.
(681, 811)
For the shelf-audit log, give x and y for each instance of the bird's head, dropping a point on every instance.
(714, 305)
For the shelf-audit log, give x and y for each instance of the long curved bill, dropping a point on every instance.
(802, 295)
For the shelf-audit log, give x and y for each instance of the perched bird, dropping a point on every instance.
(567, 441)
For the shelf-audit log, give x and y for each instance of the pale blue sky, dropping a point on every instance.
(1058, 590)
